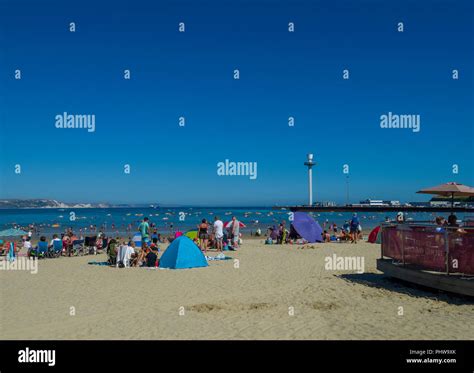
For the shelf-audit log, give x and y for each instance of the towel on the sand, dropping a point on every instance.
(124, 255)
(220, 256)
(99, 263)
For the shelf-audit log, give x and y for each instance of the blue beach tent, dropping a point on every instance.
(183, 253)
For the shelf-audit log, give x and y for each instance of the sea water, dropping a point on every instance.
(167, 220)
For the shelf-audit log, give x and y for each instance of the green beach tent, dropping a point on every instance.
(379, 237)
(192, 234)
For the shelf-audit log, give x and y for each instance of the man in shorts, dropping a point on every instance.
(144, 229)
(235, 232)
(218, 232)
(354, 228)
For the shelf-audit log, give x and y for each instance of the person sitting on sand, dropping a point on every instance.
(55, 239)
(42, 239)
(72, 238)
(67, 244)
(134, 254)
(326, 236)
(343, 236)
(99, 243)
(28, 247)
(151, 258)
(142, 254)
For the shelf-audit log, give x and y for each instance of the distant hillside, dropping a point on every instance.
(43, 203)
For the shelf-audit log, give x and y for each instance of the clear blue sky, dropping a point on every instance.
(191, 74)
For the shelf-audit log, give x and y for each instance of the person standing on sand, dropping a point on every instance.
(218, 232)
(144, 229)
(282, 233)
(354, 228)
(235, 232)
(154, 236)
(203, 234)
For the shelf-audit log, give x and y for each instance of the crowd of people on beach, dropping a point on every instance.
(351, 231)
(207, 236)
(120, 250)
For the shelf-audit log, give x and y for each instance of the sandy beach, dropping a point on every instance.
(270, 292)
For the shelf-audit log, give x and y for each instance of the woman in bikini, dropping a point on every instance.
(203, 234)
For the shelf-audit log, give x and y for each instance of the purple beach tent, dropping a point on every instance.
(307, 227)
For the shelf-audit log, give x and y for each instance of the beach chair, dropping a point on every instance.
(57, 249)
(78, 247)
(89, 245)
(42, 249)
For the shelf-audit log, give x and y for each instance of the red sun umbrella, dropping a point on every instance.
(228, 224)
